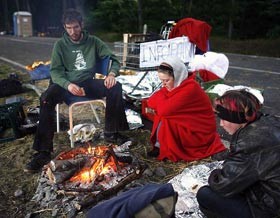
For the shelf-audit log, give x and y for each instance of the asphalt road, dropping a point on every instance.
(252, 71)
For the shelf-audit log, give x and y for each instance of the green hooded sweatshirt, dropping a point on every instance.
(74, 62)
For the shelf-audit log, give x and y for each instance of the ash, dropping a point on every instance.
(68, 203)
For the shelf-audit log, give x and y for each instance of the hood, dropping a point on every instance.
(179, 69)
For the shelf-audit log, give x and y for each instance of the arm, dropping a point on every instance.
(104, 51)
(185, 98)
(58, 74)
(57, 69)
(238, 173)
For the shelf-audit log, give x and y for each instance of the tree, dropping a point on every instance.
(140, 15)
(114, 15)
(6, 22)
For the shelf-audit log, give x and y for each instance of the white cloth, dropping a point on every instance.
(179, 69)
(83, 132)
(220, 89)
(216, 63)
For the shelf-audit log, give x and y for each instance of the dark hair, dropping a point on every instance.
(166, 69)
(237, 106)
(71, 15)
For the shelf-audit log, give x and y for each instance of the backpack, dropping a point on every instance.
(10, 87)
(162, 208)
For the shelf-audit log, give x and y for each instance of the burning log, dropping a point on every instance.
(72, 153)
(61, 170)
(64, 165)
(112, 153)
(83, 176)
(59, 177)
(91, 170)
(92, 198)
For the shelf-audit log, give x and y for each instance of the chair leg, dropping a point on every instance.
(57, 118)
(93, 108)
(71, 126)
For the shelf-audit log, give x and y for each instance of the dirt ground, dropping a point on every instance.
(18, 188)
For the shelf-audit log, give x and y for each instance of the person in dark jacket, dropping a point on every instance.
(248, 185)
(72, 62)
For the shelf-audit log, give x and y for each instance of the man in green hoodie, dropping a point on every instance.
(73, 59)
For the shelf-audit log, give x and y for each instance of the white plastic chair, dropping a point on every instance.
(93, 105)
(101, 67)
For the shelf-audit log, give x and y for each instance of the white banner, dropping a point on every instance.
(153, 53)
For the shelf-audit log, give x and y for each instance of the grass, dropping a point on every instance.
(258, 47)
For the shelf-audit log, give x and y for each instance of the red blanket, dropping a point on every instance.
(187, 128)
(205, 75)
(197, 31)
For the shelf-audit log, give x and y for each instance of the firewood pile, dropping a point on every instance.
(83, 176)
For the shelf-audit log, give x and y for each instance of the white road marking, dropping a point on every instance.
(255, 70)
(12, 62)
(18, 40)
(35, 42)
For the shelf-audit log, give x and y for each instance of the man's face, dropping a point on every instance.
(74, 30)
(229, 127)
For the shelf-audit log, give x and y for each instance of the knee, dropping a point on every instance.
(116, 89)
(48, 97)
(203, 195)
(118, 86)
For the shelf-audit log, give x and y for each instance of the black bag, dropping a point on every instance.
(10, 87)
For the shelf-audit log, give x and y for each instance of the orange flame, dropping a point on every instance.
(99, 167)
(36, 64)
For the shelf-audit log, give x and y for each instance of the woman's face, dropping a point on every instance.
(167, 80)
(229, 127)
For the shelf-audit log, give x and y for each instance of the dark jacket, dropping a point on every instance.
(253, 167)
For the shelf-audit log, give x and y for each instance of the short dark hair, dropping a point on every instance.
(239, 102)
(71, 15)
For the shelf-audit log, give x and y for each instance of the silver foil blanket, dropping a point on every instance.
(187, 184)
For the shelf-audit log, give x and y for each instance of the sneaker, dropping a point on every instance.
(116, 138)
(38, 161)
(154, 152)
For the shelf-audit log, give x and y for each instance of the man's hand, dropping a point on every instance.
(76, 90)
(110, 80)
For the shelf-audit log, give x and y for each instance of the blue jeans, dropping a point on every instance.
(213, 204)
(115, 118)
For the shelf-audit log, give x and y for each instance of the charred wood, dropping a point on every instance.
(93, 198)
(61, 176)
(65, 165)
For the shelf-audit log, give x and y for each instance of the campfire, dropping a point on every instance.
(87, 175)
(89, 168)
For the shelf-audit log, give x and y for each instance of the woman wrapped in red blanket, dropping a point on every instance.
(184, 126)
